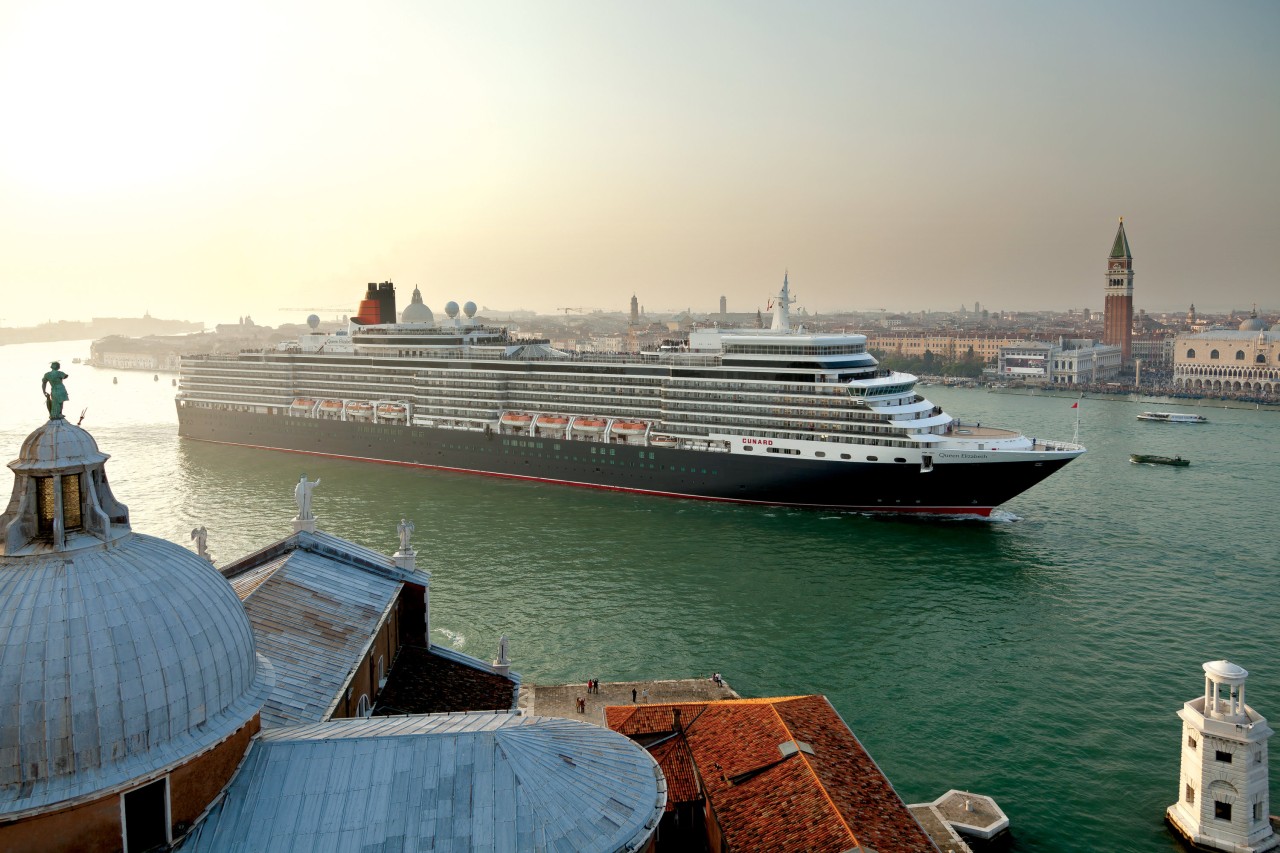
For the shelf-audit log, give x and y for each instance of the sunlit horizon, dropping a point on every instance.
(208, 163)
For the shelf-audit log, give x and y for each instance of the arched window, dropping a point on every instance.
(1191, 353)
(1214, 354)
(1261, 359)
(362, 707)
(1239, 355)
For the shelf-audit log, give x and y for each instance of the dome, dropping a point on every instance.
(1225, 670)
(58, 444)
(115, 662)
(1253, 324)
(415, 311)
(120, 654)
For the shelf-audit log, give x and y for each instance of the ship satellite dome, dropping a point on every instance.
(313, 321)
(451, 309)
(469, 309)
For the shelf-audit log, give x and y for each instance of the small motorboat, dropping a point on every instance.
(1148, 459)
(1173, 418)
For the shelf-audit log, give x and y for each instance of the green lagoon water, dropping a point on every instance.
(1039, 658)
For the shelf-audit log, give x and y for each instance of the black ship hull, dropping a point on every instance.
(970, 488)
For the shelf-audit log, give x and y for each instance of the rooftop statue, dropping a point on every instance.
(302, 494)
(55, 394)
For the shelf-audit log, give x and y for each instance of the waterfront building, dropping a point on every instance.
(1223, 796)
(138, 712)
(1067, 363)
(731, 766)
(1118, 310)
(947, 347)
(1246, 359)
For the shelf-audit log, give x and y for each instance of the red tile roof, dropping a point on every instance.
(831, 800)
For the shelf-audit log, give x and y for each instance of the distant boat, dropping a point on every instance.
(1141, 458)
(1173, 418)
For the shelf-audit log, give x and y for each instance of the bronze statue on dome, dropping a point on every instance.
(55, 394)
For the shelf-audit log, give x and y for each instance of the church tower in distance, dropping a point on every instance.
(1118, 324)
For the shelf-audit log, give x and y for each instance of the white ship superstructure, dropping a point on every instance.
(754, 399)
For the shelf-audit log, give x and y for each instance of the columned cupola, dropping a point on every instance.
(61, 499)
(1223, 800)
(1118, 322)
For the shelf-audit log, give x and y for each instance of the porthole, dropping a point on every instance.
(873, 458)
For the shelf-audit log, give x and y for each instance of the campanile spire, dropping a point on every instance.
(1118, 324)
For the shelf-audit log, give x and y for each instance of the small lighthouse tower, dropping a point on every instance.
(1222, 801)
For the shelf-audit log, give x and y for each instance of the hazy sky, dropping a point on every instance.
(210, 160)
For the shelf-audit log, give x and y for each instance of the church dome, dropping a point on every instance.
(121, 654)
(1253, 324)
(416, 311)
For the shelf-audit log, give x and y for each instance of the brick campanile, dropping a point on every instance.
(1118, 313)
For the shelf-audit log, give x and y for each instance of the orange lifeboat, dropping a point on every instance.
(393, 411)
(552, 422)
(331, 406)
(629, 427)
(357, 409)
(303, 403)
(516, 419)
(588, 425)
(662, 440)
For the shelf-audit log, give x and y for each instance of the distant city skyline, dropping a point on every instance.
(208, 163)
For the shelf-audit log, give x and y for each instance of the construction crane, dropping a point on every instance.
(579, 309)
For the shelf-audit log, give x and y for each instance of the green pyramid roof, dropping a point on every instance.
(1120, 249)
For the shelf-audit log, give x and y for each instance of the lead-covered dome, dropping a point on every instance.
(120, 654)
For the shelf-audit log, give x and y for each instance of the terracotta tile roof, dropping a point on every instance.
(831, 799)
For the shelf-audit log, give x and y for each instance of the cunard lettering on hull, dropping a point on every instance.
(770, 416)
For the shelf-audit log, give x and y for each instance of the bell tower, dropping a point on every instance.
(1118, 322)
(1223, 796)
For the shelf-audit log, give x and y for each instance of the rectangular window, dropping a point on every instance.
(71, 502)
(1257, 811)
(1191, 796)
(44, 504)
(1221, 810)
(146, 817)
(1191, 741)
(1224, 757)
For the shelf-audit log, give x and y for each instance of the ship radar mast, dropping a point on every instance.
(781, 307)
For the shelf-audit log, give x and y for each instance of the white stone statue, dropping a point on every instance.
(405, 528)
(201, 537)
(502, 651)
(302, 494)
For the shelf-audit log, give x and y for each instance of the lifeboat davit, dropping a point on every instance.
(589, 425)
(391, 410)
(662, 440)
(552, 422)
(515, 419)
(629, 427)
(303, 403)
(357, 409)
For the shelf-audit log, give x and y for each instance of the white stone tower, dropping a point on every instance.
(1222, 801)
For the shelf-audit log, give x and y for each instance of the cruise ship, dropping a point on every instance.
(775, 416)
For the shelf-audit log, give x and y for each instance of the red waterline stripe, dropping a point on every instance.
(896, 509)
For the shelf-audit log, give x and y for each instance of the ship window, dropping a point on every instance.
(1221, 810)
(819, 454)
(873, 458)
(845, 456)
(898, 459)
(748, 448)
